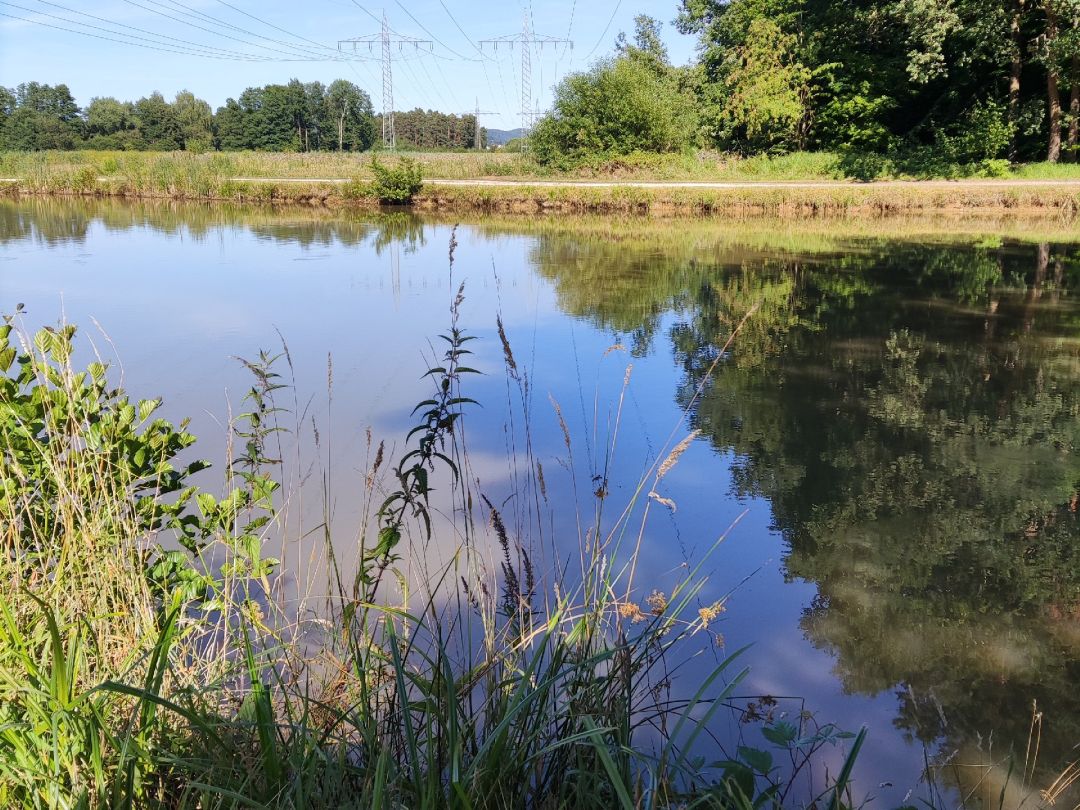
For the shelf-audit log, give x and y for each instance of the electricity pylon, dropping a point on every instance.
(478, 112)
(386, 38)
(527, 39)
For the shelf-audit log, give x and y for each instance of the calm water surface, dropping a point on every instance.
(897, 426)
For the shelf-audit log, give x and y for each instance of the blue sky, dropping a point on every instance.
(285, 36)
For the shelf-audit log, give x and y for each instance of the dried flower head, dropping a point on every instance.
(631, 611)
(673, 457)
(710, 613)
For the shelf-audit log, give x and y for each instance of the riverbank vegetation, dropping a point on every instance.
(962, 88)
(349, 180)
(151, 655)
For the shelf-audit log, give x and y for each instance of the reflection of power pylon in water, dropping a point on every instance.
(395, 274)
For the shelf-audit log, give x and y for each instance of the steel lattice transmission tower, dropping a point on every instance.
(386, 38)
(388, 134)
(478, 112)
(527, 39)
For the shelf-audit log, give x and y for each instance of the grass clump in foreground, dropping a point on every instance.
(147, 659)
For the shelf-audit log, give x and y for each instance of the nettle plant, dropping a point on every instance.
(79, 459)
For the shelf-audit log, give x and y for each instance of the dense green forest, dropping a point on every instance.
(293, 117)
(915, 84)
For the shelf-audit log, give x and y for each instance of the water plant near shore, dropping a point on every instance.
(145, 662)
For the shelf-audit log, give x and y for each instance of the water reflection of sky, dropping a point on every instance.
(177, 309)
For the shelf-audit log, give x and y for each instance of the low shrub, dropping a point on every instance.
(398, 184)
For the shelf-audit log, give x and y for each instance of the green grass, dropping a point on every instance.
(1047, 171)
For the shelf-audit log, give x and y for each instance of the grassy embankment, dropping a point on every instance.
(309, 178)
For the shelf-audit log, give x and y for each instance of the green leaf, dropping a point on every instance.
(207, 503)
(389, 536)
(147, 407)
(760, 761)
(780, 734)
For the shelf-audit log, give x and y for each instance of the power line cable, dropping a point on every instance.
(291, 54)
(484, 58)
(138, 45)
(569, 28)
(453, 19)
(188, 11)
(374, 79)
(376, 19)
(426, 31)
(611, 19)
(487, 80)
(442, 75)
(502, 85)
(197, 45)
(278, 28)
(418, 87)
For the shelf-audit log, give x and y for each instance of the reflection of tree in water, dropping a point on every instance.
(922, 466)
(620, 287)
(397, 228)
(912, 413)
(53, 221)
(45, 224)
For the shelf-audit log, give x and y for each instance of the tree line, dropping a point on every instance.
(956, 82)
(293, 117)
(430, 129)
(924, 85)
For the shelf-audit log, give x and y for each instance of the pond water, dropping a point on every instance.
(890, 442)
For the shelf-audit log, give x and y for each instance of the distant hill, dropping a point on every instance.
(499, 137)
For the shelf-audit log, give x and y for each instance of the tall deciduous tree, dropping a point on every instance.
(349, 116)
(159, 126)
(44, 117)
(111, 124)
(7, 105)
(195, 120)
(633, 102)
